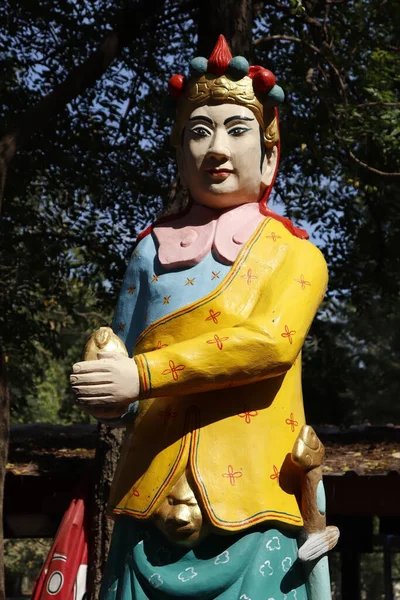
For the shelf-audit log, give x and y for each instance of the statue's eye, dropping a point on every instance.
(201, 131)
(236, 131)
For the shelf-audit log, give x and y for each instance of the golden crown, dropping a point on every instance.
(226, 79)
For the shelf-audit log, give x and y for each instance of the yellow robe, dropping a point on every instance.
(223, 392)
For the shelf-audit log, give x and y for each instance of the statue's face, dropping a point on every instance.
(179, 517)
(220, 158)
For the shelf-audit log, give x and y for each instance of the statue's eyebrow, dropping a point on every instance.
(201, 118)
(237, 118)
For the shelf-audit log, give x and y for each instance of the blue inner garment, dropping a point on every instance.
(149, 291)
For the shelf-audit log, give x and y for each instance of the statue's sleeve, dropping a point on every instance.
(128, 312)
(264, 345)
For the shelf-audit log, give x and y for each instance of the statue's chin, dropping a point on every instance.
(185, 539)
(184, 536)
(219, 198)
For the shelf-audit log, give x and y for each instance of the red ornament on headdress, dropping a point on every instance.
(253, 69)
(220, 57)
(263, 79)
(175, 85)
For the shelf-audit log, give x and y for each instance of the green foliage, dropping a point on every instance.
(81, 188)
(23, 559)
(339, 66)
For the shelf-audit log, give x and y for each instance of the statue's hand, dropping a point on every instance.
(319, 543)
(105, 387)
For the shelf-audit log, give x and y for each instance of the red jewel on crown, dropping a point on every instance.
(263, 79)
(176, 85)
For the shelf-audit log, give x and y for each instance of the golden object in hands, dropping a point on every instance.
(103, 340)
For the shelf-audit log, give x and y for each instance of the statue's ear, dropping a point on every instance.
(181, 165)
(269, 166)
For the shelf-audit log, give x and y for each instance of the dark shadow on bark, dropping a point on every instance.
(4, 435)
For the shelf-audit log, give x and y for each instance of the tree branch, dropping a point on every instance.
(296, 40)
(372, 169)
(369, 104)
(77, 81)
(287, 38)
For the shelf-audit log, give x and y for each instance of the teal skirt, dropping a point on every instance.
(257, 564)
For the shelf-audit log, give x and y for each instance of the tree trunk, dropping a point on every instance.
(233, 19)
(4, 433)
(107, 455)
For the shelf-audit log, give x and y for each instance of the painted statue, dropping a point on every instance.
(219, 480)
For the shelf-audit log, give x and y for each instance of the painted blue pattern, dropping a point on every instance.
(150, 292)
(259, 564)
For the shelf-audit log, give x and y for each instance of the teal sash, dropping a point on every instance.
(258, 564)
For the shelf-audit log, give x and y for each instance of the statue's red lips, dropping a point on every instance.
(219, 173)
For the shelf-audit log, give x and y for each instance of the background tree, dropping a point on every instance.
(85, 182)
(88, 167)
(4, 430)
(340, 166)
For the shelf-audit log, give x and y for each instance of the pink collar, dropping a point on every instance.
(185, 241)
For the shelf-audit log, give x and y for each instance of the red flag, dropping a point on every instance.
(63, 575)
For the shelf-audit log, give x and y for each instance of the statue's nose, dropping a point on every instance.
(219, 146)
(179, 515)
(219, 153)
